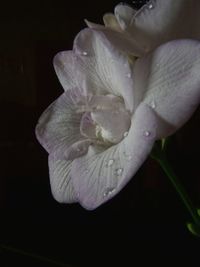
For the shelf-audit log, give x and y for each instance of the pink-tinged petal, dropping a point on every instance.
(60, 180)
(168, 79)
(59, 125)
(160, 21)
(65, 69)
(106, 102)
(101, 174)
(124, 15)
(112, 124)
(78, 149)
(88, 126)
(116, 36)
(102, 67)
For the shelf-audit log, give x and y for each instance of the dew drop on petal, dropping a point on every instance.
(84, 53)
(129, 157)
(110, 162)
(125, 134)
(153, 104)
(150, 6)
(108, 191)
(119, 171)
(147, 133)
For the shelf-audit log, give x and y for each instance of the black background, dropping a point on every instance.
(145, 221)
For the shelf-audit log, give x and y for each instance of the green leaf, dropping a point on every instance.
(194, 229)
(198, 212)
(163, 142)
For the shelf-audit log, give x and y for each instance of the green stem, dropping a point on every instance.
(35, 256)
(179, 188)
(159, 155)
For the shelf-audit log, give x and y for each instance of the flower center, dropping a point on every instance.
(106, 120)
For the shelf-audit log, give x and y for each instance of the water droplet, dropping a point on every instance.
(108, 191)
(129, 157)
(153, 104)
(86, 171)
(119, 171)
(125, 134)
(147, 133)
(110, 162)
(84, 53)
(128, 75)
(150, 6)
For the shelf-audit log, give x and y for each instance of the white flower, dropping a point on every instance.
(102, 128)
(157, 22)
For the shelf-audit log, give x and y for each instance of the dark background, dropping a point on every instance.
(145, 221)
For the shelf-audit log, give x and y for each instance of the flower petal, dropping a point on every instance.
(106, 102)
(169, 80)
(124, 15)
(110, 21)
(103, 68)
(78, 149)
(93, 25)
(160, 21)
(59, 125)
(65, 69)
(60, 180)
(113, 124)
(88, 126)
(116, 36)
(100, 175)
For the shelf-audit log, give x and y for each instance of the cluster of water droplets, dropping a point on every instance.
(118, 171)
(110, 163)
(109, 191)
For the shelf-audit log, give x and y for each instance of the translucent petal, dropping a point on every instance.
(124, 15)
(102, 173)
(111, 21)
(59, 125)
(60, 180)
(65, 69)
(104, 69)
(169, 79)
(160, 21)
